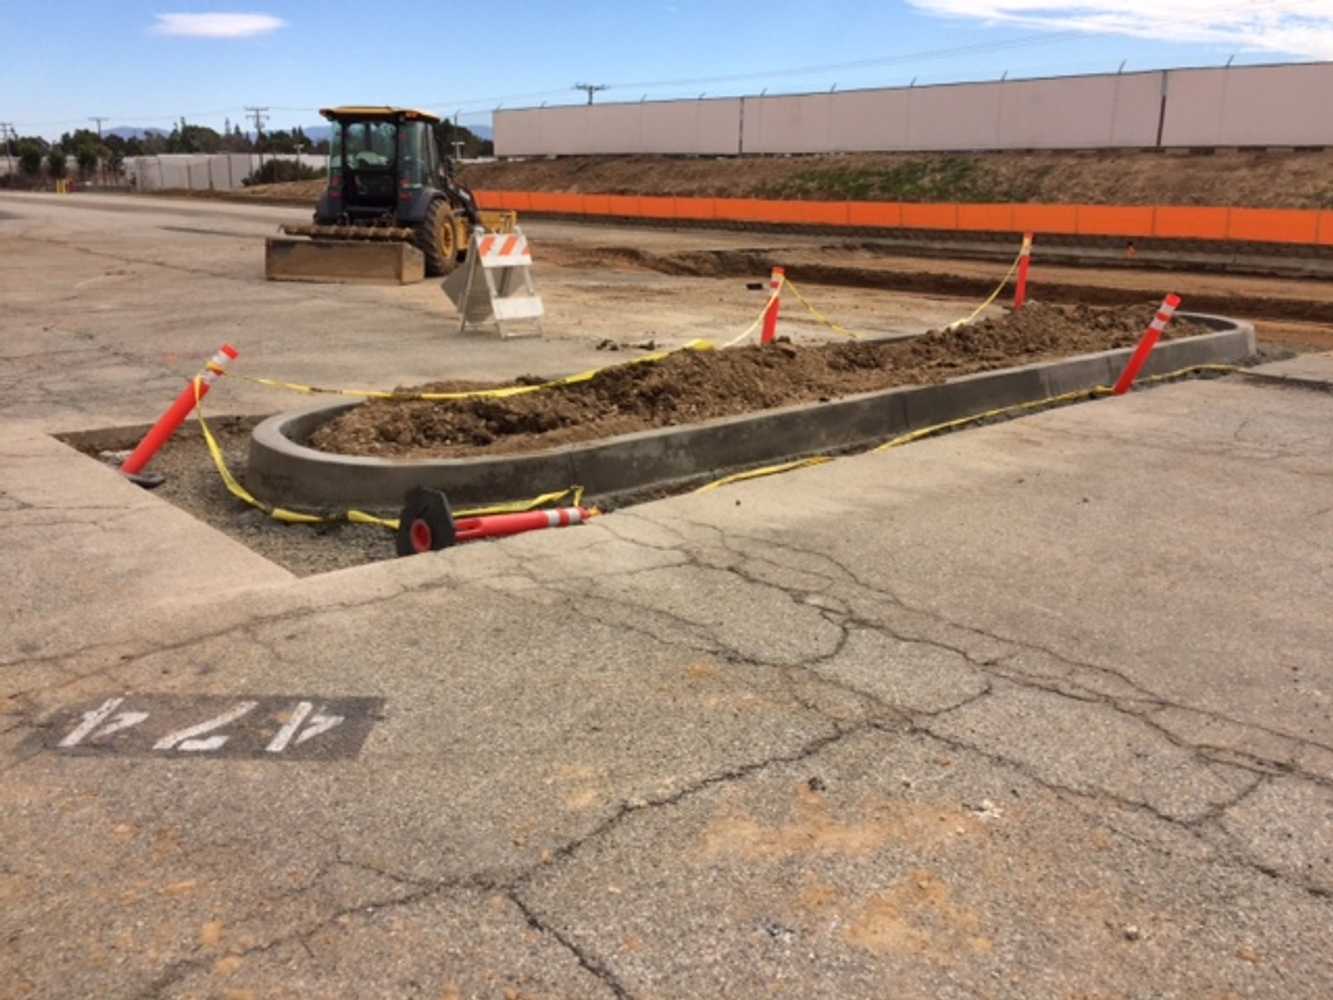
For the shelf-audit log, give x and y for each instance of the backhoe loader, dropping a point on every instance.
(392, 211)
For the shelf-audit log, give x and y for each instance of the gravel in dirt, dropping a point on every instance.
(691, 386)
(193, 484)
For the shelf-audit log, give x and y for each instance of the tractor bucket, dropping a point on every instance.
(381, 262)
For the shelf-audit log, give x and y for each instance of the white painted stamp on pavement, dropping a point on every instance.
(203, 726)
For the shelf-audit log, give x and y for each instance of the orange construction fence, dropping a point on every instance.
(1177, 222)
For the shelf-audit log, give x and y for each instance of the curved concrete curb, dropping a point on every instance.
(283, 470)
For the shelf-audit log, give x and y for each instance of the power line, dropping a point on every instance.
(979, 48)
(906, 57)
(480, 104)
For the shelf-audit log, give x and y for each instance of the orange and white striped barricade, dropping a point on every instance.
(494, 287)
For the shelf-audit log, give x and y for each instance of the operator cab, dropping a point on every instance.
(380, 161)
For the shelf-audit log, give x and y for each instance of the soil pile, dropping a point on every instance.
(691, 386)
(1256, 179)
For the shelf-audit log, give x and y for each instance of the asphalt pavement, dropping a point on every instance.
(1041, 709)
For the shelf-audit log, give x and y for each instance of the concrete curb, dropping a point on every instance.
(284, 471)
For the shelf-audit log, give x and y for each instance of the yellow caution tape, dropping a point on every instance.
(782, 280)
(835, 327)
(234, 487)
(767, 470)
(1068, 397)
(508, 391)
(1096, 392)
(503, 392)
(993, 296)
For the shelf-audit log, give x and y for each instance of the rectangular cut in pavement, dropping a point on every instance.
(1039, 709)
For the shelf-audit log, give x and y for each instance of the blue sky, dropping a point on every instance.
(148, 63)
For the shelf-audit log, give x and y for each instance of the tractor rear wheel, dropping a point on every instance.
(436, 240)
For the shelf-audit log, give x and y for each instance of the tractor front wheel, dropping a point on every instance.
(435, 238)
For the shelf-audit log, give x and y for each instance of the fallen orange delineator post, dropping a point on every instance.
(427, 523)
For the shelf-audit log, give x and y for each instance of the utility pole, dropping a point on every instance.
(101, 174)
(590, 88)
(260, 115)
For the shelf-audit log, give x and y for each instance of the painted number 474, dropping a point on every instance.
(303, 723)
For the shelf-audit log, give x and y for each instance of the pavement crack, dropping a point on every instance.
(739, 772)
(1195, 827)
(590, 964)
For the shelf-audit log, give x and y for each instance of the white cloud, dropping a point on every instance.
(216, 25)
(1301, 28)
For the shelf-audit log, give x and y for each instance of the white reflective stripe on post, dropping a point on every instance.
(216, 367)
(562, 516)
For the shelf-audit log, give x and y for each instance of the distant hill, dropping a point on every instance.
(482, 132)
(128, 132)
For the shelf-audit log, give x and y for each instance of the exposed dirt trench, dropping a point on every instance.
(1052, 285)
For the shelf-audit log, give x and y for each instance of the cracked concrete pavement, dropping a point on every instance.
(1043, 709)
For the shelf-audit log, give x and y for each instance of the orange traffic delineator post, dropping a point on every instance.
(775, 281)
(1149, 341)
(427, 523)
(168, 423)
(1024, 262)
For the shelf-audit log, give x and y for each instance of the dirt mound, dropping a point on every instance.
(1302, 179)
(1254, 179)
(691, 386)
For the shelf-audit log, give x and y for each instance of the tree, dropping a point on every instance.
(115, 152)
(30, 158)
(279, 141)
(55, 163)
(187, 138)
(473, 145)
(88, 157)
(235, 141)
(79, 137)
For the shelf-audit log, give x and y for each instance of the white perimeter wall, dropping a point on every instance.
(1240, 106)
(203, 171)
(1259, 106)
(659, 127)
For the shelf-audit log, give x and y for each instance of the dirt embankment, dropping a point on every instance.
(690, 386)
(1250, 179)
(1253, 179)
